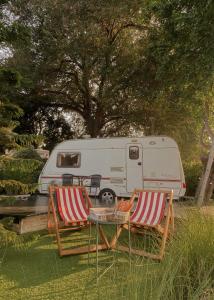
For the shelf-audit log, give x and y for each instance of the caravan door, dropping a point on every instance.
(134, 170)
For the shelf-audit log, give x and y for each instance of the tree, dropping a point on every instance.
(138, 63)
(9, 113)
(12, 170)
(206, 184)
(10, 81)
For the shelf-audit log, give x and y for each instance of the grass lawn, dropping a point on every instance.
(33, 269)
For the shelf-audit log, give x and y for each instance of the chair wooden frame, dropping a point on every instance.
(162, 229)
(59, 226)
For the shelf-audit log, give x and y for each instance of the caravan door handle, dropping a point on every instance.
(139, 163)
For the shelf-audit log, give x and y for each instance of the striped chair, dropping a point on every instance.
(68, 209)
(149, 213)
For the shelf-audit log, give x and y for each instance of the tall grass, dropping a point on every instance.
(187, 271)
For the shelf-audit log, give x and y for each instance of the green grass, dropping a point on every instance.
(33, 269)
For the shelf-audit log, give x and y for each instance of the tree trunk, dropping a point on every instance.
(93, 127)
(199, 185)
(204, 163)
(210, 188)
(206, 176)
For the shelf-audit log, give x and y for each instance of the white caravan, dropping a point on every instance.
(151, 162)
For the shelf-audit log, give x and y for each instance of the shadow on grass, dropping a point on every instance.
(38, 262)
(37, 272)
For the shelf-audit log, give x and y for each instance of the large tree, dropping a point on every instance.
(116, 64)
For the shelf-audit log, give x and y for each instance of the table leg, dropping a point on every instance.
(129, 229)
(97, 241)
(103, 237)
(89, 241)
(116, 243)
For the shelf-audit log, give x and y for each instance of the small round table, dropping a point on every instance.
(107, 245)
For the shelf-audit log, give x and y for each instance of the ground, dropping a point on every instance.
(35, 271)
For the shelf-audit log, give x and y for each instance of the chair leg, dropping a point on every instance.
(50, 225)
(172, 222)
(165, 234)
(56, 230)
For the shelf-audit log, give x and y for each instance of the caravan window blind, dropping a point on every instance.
(68, 160)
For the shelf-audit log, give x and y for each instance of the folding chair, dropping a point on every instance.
(149, 214)
(68, 210)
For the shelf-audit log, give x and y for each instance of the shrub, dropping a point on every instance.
(23, 170)
(193, 172)
(13, 187)
(27, 153)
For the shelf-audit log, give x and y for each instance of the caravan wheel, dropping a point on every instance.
(107, 196)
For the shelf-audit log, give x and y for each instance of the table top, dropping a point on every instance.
(90, 218)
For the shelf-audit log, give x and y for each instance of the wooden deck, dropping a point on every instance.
(39, 206)
(34, 205)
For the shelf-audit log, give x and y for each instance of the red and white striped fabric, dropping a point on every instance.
(71, 204)
(150, 208)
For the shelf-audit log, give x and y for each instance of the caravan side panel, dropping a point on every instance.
(162, 169)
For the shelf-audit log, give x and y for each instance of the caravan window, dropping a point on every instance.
(68, 160)
(134, 152)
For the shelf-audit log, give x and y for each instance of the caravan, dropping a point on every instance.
(116, 166)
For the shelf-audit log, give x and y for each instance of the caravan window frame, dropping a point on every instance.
(71, 167)
(133, 155)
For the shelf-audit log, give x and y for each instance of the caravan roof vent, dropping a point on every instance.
(134, 141)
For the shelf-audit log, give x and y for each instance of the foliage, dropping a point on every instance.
(192, 171)
(7, 237)
(10, 81)
(27, 153)
(9, 113)
(16, 176)
(138, 64)
(24, 170)
(19, 176)
(14, 187)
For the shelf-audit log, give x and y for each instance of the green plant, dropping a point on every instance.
(23, 170)
(7, 237)
(27, 153)
(187, 271)
(13, 187)
(193, 172)
(19, 176)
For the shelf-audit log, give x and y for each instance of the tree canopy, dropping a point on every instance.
(133, 65)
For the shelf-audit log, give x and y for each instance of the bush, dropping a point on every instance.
(13, 187)
(19, 176)
(193, 172)
(27, 153)
(23, 170)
